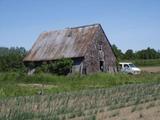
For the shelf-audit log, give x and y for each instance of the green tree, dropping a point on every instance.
(12, 59)
(148, 53)
(129, 54)
(117, 52)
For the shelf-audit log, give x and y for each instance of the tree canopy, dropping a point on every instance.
(11, 59)
(148, 53)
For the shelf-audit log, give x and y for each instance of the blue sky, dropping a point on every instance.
(130, 24)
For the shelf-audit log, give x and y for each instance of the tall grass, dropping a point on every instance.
(10, 82)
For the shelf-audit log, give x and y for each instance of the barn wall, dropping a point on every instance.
(100, 50)
(91, 62)
(109, 56)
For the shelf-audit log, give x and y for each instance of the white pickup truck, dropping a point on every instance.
(128, 67)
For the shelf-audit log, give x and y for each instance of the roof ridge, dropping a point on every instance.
(84, 26)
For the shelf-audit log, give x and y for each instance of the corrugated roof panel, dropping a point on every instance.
(68, 43)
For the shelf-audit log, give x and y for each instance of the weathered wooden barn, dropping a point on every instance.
(87, 46)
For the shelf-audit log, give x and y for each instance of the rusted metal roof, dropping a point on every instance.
(67, 43)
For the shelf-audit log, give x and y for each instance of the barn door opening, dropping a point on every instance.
(102, 66)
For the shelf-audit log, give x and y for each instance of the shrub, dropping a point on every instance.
(61, 67)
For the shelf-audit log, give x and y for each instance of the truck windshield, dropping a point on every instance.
(132, 65)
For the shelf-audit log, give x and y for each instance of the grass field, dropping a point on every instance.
(98, 104)
(16, 84)
(98, 96)
(148, 62)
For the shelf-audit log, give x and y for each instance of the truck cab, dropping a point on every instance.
(129, 68)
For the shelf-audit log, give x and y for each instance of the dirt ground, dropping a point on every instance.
(147, 111)
(152, 69)
(37, 85)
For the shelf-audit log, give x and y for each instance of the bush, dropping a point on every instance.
(60, 67)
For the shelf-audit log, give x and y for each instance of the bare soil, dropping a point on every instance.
(147, 111)
(37, 85)
(151, 69)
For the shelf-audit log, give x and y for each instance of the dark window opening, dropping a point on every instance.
(102, 66)
(84, 71)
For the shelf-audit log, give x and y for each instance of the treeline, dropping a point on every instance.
(11, 59)
(144, 54)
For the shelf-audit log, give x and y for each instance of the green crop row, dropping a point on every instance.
(75, 104)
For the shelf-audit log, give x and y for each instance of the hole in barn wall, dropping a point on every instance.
(102, 66)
